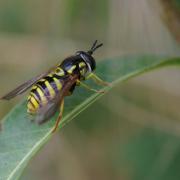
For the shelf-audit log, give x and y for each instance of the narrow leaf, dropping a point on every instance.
(20, 139)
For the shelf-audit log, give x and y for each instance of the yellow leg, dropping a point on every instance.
(59, 117)
(98, 80)
(89, 88)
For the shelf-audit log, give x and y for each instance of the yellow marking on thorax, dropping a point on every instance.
(70, 71)
(83, 70)
(82, 64)
(59, 72)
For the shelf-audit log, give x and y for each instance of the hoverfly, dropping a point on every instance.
(49, 89)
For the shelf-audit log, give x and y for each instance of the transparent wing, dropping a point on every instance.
(25, 86)
(48, 110)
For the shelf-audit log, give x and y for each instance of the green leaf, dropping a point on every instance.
(20, 139)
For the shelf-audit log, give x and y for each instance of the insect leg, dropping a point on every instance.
(98, 80)
(59, 117)
(89, 88)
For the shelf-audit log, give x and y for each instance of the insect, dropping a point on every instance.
(49, 89)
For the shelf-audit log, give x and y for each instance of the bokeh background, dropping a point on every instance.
(133, 132)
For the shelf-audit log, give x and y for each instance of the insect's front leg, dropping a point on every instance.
(98, 80)
(88, 87)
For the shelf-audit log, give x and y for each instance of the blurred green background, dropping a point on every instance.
(132, 133)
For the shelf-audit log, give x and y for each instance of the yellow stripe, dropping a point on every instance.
(35, 103)
(71, 69)
(30, 107)
(33, 94)
(58, 83)
(50, 89)
(41, 94)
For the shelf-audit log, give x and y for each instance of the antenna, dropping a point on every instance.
(94, 47)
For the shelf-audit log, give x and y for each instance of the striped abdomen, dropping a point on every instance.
(43, 91)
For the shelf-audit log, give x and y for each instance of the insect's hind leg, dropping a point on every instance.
(59, 117)
(98, 80)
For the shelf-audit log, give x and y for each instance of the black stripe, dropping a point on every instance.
(44, 89)
(42, 85)
(49, 79)
(36, 93)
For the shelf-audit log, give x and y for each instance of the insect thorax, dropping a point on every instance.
(75, 65)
